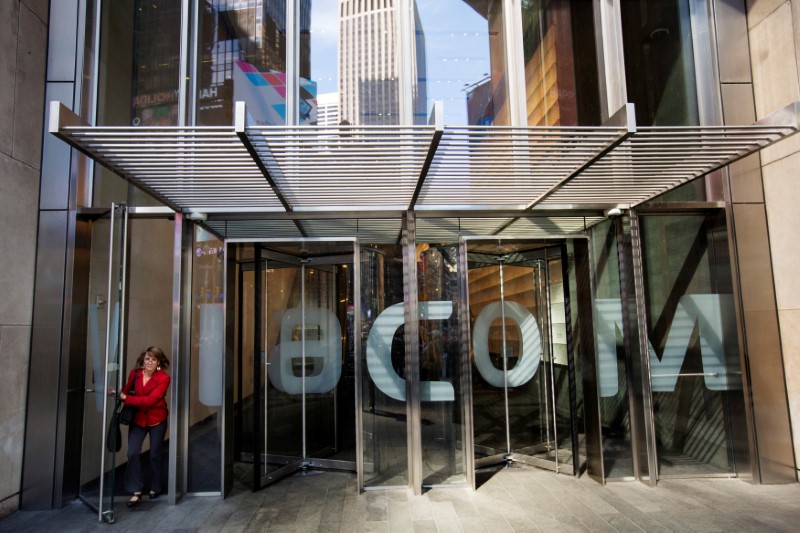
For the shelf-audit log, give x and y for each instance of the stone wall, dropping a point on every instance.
(23, 41)
(774, 35)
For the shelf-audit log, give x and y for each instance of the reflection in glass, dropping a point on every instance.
(459, 61)
(242, 58)
(694, 366)
(385, 434)
(611, 367)
(660, 70)
(440, 361)
(207, 352)
(330, 368)
(281, 355)
(659, 61)
(99, 455)
(138, 78)
(522, 402)
(295, 366)
(560, 63)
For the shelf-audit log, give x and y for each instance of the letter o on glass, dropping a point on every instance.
(528, 362)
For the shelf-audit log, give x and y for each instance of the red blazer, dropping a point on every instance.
(149, 400)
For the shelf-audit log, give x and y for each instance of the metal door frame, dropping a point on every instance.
(103, 513)
(132, 213)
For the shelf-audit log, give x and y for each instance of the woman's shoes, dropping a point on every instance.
(154, 494)
(135, 500)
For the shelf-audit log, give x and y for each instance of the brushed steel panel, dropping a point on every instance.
(63, 41)
(54, 189)
(74, 367)
(43, 378)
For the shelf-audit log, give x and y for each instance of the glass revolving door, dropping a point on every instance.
(296, 364)
(522, 406)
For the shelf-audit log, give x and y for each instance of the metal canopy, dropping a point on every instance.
(347, 170)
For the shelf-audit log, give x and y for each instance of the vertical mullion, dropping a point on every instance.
(411, 337)
(259, 432)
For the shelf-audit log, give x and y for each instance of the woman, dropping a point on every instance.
(145, 391)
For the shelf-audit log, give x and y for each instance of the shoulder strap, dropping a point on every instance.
(133, 381)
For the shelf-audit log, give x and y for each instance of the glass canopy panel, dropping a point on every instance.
(396, 168)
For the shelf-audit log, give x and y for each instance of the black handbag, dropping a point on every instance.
(114, 436)
(125, 412)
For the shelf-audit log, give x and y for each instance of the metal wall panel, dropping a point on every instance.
(63, 36)
(181, 355)
(54, 189)
(43, 378)
(68, 460)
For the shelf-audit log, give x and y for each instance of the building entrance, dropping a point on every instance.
(523, 386)
(294, 406)
(121, 304)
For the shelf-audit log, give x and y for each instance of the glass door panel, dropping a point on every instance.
(693, 361)
(302, 331)
(488, 386)
(329, 361)
(280, 365)
(531, 404)
(104, 331)
(383, 412)
(521, 400)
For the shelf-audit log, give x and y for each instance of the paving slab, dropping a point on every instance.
(512, 500)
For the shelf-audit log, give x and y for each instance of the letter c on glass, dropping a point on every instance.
(528, 362)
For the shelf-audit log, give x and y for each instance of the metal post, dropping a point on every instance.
(634, 322)
(465, 364)
(357, 366)
(500, 260)
(644, 350)
(411, 337)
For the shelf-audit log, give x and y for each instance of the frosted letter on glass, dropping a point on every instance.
(713, 316)
(528, 362)
(325, 353)
(379, 355)
(211, 354)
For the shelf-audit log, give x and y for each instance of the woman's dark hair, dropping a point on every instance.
(153, 351)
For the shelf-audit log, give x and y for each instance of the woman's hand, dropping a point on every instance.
(122, 396)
